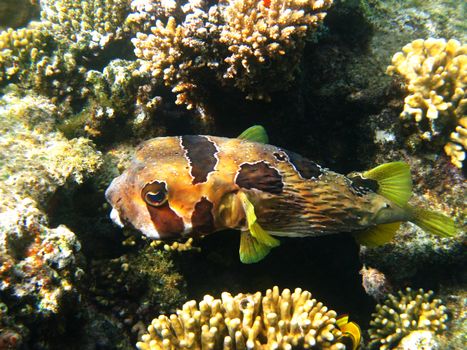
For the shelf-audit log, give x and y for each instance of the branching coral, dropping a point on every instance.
(410, 317)
(86, 25)
(251, 45)
(48, 55)
(247, 321)
(435, 72)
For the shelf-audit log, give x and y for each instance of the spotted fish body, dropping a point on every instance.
(195, 185)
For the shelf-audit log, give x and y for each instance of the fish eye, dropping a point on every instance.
(155, 199)
(155, 194)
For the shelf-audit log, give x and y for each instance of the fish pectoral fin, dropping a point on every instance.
(394, 181)
(251, 250)
(255, 228)
(377, 235)
(255, 133)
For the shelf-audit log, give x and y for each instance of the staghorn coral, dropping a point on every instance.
(435, 72)
(247, 321)
(254, 46)
(411, 317)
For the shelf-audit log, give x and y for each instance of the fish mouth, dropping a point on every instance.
(115, 217)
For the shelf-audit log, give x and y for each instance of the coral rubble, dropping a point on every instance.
(435, 72)
(247, 321)
(411, 318)
(254, 46)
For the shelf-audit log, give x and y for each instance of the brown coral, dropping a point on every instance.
(244, 44)
(247, 321)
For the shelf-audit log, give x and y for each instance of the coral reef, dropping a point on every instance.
(137, 284)
(435, 72)
(375, 283)
(254, 46)
(408, 321)
(247, 321)
(38, 265)
(17, 13)
(85, 25)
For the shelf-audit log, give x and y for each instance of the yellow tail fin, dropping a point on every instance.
(433, 222)
(394, 181)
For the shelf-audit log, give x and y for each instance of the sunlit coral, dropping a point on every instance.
(435, 72)
(254, 46)
(247, 321)
(86, 24)
(37, 263)
(411, 317)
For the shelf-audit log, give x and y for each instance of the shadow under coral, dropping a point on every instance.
(328, 267)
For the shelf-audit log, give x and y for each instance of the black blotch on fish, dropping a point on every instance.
(202, 219)
(281, 157)
(201, 155)
(167, 223)
(305, 167)
(362, 186)
(260, 176)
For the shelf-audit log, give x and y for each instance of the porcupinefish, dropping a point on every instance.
(191, 186)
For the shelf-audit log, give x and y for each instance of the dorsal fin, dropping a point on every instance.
(255, 133)
(377, 235)
(394, 181)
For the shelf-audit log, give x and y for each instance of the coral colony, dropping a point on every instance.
(83, 82)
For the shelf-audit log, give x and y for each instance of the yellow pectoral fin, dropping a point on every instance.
(394, 180)
(255, 229)
(251, 251)
(377, 235)
(351, 330)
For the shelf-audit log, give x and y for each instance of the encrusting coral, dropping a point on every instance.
(247, 321)
(412, 317)
(254, 46)
(38, 264)
(435, 72)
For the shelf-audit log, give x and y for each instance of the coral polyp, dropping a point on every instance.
(410, 317)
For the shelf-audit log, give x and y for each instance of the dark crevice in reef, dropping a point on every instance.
(326, 266)
(83, 211)
(119, 49)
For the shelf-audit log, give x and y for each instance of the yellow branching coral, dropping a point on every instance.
(248, 321)
(251, 45)
(411, 317)
(20, 46)
(435, 71)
